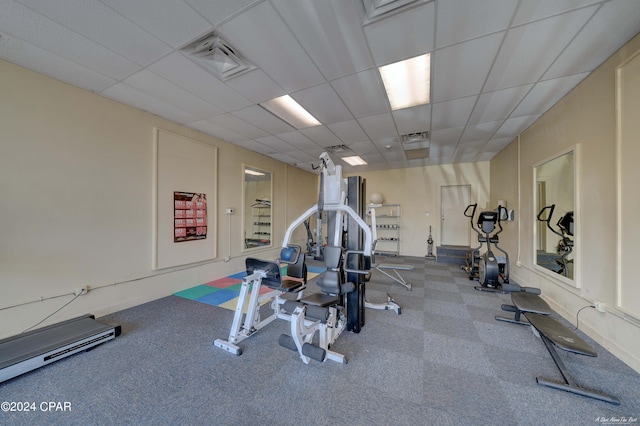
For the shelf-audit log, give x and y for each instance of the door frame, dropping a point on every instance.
(469, 194)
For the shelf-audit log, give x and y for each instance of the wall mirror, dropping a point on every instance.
(554, 227)
(257, 196)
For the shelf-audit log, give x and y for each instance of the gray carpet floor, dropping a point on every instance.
(445, 360)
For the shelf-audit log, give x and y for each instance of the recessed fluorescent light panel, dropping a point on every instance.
(354, 161)
(290, 111)
(407, 82)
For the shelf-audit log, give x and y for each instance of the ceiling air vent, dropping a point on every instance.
(338, 148)
(376, 9)
(218, 57)
(416, 145)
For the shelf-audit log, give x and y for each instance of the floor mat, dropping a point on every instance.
(224, 292)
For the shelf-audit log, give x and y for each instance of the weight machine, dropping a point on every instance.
(316, 321)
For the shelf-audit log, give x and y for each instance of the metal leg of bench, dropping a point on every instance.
(397, 278)
(569, 385)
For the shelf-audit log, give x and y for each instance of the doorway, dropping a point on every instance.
(454, 225)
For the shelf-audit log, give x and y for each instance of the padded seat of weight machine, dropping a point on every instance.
(321, 299)
(273, 278)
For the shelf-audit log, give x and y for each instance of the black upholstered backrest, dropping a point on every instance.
(331, 281)
(298, 269)
(272, 278)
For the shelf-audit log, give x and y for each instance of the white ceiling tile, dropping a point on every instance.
(402, 36)
(103, 25)
(275, 143)
(285, 158)
(321, 135)
(326, 31)
(589, 49)
(413, 120)
(263, 119)
(385, 144)
(461, 20)
(349, 131)
(485, 156)
(255, 146)
(546, 93)
(130, 96)
(498, 105)
(362, 93)
(256, 85)
(158, 87)
(379, 126)
(534, 10)
(446, 137)
(514, 126)
(255, 32)
(441, 153)
(466, 151)
(186, 74)
(461, 70)
(236, 125)
(34, 58)
(302, 156)
(169, 20)
(451, 113)
(497, 145)
(20, 21)
(219, 132)
(478, 134)
(373, 158)
(393, 155)
(298, 140)
(362, 148)
(218, 11)
(323, 103)
(529, 50)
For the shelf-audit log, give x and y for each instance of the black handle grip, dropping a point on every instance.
(473, 212)
(551, 208)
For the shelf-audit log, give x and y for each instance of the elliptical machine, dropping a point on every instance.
(473, 257)
(492, 274)
(565, 245)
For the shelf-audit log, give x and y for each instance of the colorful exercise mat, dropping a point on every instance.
(224, 292)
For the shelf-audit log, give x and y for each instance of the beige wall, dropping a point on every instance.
(76, 203)
(586, 116)
(417, 190)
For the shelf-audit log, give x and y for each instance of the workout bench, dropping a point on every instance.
(395, 268)
(555, 335)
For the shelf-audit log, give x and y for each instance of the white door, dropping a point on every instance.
(454, 199)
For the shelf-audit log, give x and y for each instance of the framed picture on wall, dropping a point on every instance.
(189, 216)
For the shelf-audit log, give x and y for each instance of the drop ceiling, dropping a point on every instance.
(497, 65)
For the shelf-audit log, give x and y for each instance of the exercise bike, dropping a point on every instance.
(565, 245)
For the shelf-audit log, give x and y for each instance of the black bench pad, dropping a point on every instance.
(561, 336)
